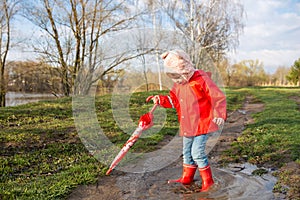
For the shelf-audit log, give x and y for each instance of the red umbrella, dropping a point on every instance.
(145, 122)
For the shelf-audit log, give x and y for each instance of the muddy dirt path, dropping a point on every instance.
(235, 182)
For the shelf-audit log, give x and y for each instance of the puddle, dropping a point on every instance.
(230, 183)
(239, 185)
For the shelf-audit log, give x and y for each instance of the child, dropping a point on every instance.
(201, 108)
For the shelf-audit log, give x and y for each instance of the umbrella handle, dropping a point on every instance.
(153, 108)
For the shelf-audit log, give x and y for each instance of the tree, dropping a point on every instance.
(254, 72)
(227, 71)
(73, 31)
(8, 9)
(212, 26)
(247, 73)
(294, 74)
(280, 76)
(30, 76)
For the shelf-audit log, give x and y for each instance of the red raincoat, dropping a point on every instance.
(197, 103)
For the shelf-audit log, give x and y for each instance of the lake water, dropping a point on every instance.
(18, 98)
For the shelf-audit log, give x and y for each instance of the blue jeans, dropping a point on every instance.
(194, 150)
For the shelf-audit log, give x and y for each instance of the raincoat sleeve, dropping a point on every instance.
(168, 101)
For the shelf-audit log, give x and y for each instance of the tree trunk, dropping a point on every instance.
(5, 39)
(2, 87)
(2, 96)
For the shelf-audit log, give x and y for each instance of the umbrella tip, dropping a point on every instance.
(108, 171)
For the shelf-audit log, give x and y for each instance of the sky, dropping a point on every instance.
(271, 33)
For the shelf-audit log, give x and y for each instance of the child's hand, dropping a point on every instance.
(218, 121)
(155, 99)
(161, 100)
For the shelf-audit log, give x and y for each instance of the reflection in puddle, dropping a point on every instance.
(237, 185)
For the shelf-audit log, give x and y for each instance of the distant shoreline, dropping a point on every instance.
(20, 98)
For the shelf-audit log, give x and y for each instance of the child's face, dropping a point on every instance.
(178, 78)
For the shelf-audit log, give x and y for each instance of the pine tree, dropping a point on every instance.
(294, 74)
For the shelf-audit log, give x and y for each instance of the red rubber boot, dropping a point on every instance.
(207, 179)
(187, 175)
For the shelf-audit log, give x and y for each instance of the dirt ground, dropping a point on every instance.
(234, 126)
(235, 183)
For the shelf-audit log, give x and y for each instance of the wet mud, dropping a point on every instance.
(228, 185)
(233, 182)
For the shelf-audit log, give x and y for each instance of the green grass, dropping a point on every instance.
(274, 137)
(42, 156)
(235, 98)
(273, 140)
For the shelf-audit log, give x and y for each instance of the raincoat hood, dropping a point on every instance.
(178, 63)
